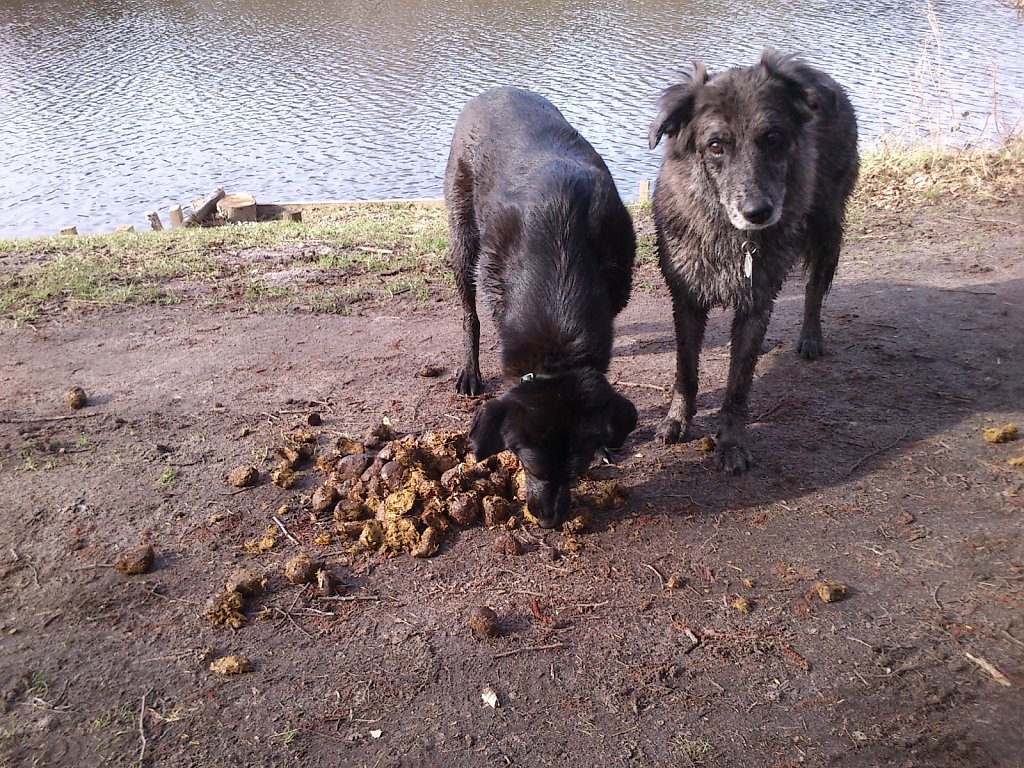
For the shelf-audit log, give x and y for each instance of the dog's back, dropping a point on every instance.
(554, 244)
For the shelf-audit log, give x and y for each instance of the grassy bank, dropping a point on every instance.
(339, 259)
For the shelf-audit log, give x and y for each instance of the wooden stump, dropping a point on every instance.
(237, 208)
(645, 191)
(69, 230)
(203, 211)
(175, 216)
(125, 228)
(292, 216)
(154, 221)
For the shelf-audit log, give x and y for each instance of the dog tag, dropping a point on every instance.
(749, 250)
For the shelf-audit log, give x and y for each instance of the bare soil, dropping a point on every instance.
(871, 472)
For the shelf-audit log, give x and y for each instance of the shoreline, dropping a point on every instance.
(884, 157)
(340, 257)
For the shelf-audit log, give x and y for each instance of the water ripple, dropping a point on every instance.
(127, 106)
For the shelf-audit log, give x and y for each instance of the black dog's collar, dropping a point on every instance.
(536, 377)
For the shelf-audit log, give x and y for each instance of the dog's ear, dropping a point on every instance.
(811, 94)
(485, 434)
(675, 107)
(622, 418)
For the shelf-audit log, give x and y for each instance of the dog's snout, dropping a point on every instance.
(757, 210)
(547, 501)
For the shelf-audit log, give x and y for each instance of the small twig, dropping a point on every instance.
(53, 418)
(947, 396)
(975, 219)
(294, 623)
(284, 530)
(657, 573)
(60, 696)
(316, 612)
(350, 598)
(511, 572)
(772, 409)
(142, 729)
(1011, 638)
(883, 449)
(200, 460)
(641, 384)
(18, 558)
(998, 676)
(968, 290)
(90, 567)
(529, 649)
(152, 592)
(935, 595)
(237, 490)
(519, 592)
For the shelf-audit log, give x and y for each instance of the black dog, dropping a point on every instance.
(757, 170)
(539, 229)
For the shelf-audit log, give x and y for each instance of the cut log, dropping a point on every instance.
(69, 230)
(175, 216)
(645, 191)
(204, 211)
(125, 228)
(237, 208)
(154, 221)
(293, 215)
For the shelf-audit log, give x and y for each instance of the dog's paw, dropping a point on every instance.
(810, 347)
(469, 383)
(733, 458)
(669, 431)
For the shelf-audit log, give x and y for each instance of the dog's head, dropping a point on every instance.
(745, 128)
(554, 426)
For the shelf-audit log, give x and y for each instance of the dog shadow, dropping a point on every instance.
(906, 362)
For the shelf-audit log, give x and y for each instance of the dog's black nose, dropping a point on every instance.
(757, 210)
(548, 502)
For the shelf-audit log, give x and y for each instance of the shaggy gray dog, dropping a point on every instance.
(758, 165)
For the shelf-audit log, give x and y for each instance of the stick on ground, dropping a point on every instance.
(529, 649)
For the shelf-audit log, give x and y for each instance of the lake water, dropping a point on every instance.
(111, 108)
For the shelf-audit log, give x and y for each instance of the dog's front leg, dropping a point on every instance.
(826, 237)
(469, 381)
(690, 321)
(748, 330)
(465, 255)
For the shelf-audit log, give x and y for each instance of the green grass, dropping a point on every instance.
(337, 260)
(99, 270)
(929, 171)
(119, 718)
(406, 241)
(288, 735)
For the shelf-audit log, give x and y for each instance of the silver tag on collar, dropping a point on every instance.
(749, 250)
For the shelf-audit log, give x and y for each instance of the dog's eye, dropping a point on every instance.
(773, 139)
(716, 147)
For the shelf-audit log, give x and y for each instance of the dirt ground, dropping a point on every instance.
(871, 472)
